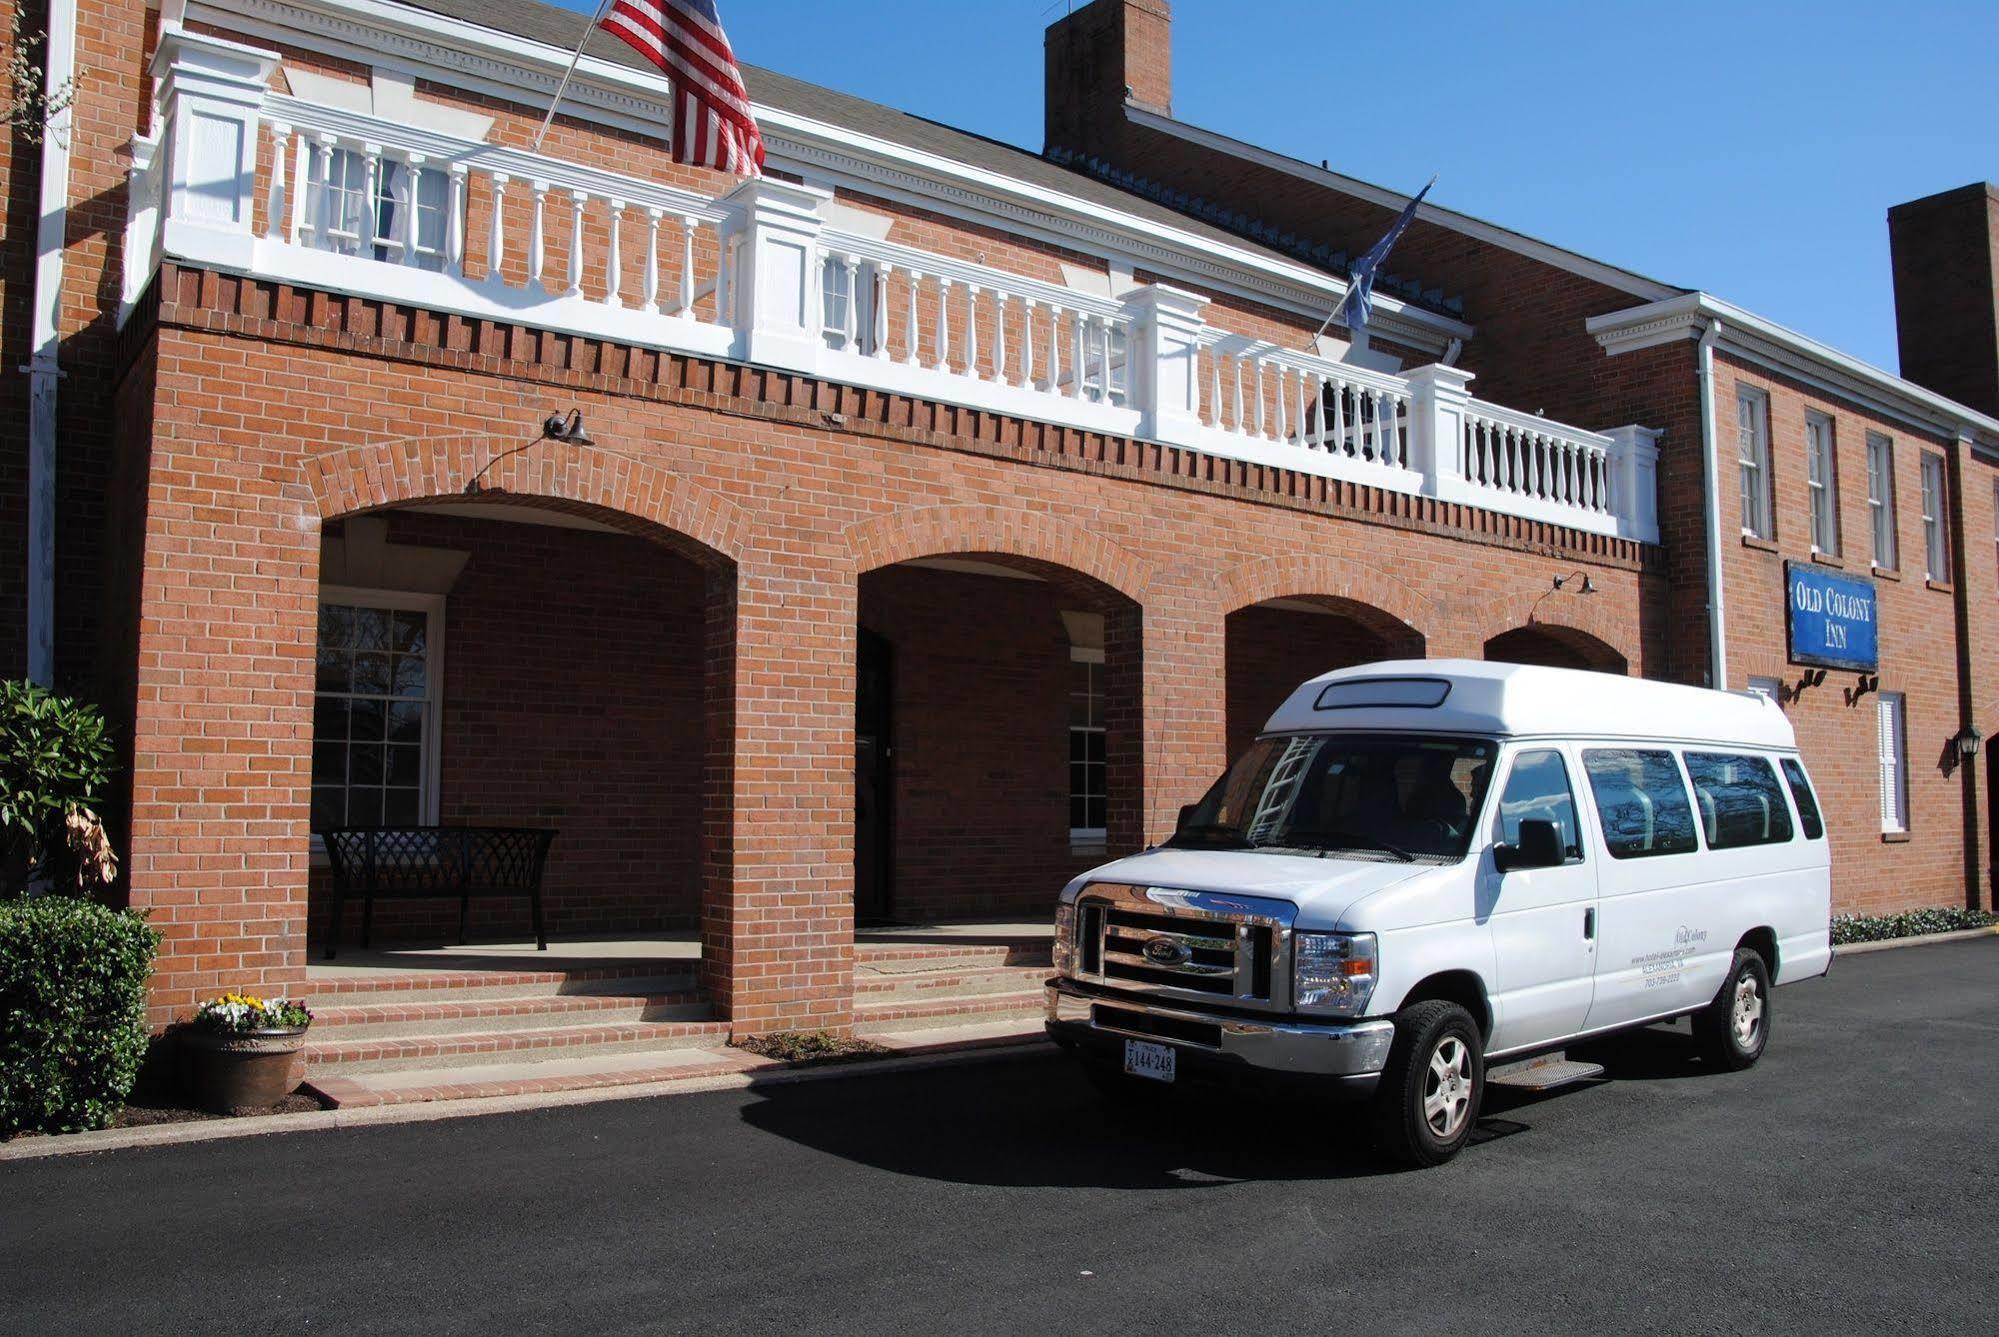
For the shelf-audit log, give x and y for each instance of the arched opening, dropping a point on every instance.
(1553, 646)
(509, 661)
(1276, 644)
(996, 736)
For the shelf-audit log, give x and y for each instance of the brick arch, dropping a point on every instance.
(936, 531)
(1364, 590)
(1577, 622)
(627, 493)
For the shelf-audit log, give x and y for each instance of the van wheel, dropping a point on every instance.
(1733, 1030)
(1428, 1098)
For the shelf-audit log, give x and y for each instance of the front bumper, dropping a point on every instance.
(1352, 1052)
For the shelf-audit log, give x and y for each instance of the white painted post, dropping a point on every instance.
(274, 200)
(1438, 399)
(773, 305)
(406, 220)
(211, 112)
(879, 287)
(687, 268)
(496, 231)
(537, 239)
(1633, 466)
(454, 223)
(1027, 343)
(301, 174)
(1163, 353)
(371, 194)
(614, 264)
(943, 324)
(577, 199)
(649, 297)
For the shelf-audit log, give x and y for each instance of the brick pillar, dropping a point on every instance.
(222, 729)
(1093, 59)
(778, 894)
(1125, 772)
(1185, 697)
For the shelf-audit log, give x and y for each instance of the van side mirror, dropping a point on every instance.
(1186, 816)
(1539, 846)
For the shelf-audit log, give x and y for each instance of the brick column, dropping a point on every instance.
(222, 727)
(778, 857)
(1186, 695)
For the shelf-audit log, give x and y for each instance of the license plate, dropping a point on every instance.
(1145, 1059)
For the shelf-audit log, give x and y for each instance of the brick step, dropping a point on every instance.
(951, 982)
(397, 986)
(871, 1018)
(444, 1016)
(887, 957)
(352, 1089)
(336, 1055)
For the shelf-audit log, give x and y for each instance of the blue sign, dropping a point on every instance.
(1831, 618)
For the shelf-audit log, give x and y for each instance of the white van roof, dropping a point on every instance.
(1471, 696)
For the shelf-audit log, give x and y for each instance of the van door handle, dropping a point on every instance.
(1589, 923)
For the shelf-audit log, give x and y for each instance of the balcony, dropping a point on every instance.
(246, 180)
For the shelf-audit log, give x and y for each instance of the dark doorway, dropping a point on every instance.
(873, 852)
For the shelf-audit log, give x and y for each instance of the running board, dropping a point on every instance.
(1541, 1074)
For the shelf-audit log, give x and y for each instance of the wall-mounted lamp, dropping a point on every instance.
(1810, 678)
(1869, 682)
(1588, 586)
(555, 428)
(1968, 740)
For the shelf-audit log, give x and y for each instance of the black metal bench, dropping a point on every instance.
(424, 862)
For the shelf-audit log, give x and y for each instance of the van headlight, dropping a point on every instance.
(1333, 972)
(1065, 938)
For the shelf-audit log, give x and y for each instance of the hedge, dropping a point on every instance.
(1907, 924)
(72, 1011)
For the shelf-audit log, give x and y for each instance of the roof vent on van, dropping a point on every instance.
(1374, 693)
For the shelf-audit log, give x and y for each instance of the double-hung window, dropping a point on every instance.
(847, 293)
(399, 215)
(1088, 792)
(1881, 499)
(1752, 443)
(1893, 738)
(1936, 538)
(1822, 483)
(375, 709)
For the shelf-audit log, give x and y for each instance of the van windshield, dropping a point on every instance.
(1376, 795)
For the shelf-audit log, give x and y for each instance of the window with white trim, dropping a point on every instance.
(339, 196)
(1881, 499)
(847, 296)
(375, 709)
(1752, 444)
(1822, 483)
(1088, 792)
(1893, 739)
(1936, 539)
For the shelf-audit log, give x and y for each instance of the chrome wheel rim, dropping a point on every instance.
(1747, 1012)
(1447, 1088)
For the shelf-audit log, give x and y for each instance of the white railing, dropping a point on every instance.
(246, 180)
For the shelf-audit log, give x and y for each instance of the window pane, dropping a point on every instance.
(1079, 813)
(1808, 804)
(1739, 800)
(409, 633)
(329, 762)
(371, 628)
(1538, 789)
(400, 807)
(405, 765)
(333, 670)
(408, 675)
(329, 809)
(1641, 802)
(329, 718)
(364, 807)
(366, 719)
(405, 722)
(364, 764)
(371, 674)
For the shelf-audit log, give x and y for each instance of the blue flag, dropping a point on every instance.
(1359, 301)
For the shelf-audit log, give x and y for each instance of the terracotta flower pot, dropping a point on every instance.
(242, 1070)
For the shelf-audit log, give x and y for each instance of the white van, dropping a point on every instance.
(1426, 867)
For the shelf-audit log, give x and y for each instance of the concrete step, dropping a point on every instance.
(871, 1018)
(333, 1054)
(397, 986)
(889, 958)
(871, 984)
(346, 1090)
(449, 1014)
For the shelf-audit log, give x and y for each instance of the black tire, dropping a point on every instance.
(1411, 1126)
(1725, 1039)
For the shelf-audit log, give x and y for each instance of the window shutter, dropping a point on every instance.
(1889, 714)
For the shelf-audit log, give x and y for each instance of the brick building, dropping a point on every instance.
(942, 514)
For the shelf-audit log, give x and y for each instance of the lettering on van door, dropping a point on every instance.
(1662, 968)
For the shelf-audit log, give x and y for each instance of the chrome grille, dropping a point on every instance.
(1183, 943)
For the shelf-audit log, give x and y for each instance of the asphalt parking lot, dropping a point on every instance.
(1845, 1184)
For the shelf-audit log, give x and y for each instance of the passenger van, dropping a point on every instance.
(1430, 874)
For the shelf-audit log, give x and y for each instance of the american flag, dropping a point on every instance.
(712, 124)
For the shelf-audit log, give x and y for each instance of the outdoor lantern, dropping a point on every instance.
(1967, 740)
(1588, 585)
(555, 429)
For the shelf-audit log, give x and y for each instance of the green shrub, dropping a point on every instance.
(54, 760)
(1907, 924)
(72, 1011)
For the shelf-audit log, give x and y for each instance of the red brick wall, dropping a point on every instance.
(1945, 251)
(572, 699)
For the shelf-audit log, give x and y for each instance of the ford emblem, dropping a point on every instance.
(1168, 952)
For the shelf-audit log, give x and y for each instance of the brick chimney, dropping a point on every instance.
(1095, 58)
(1946, 259)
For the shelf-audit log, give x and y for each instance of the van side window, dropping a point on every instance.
(1808, 804)
(1739, 800)
(1641, 802)
(1539, 788)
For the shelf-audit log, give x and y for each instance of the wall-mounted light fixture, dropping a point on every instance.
(1587, 587)
(1968, 740)
(554, 427)
(1868, 682)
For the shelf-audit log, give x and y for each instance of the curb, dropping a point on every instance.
(1916, 940)
(178, 1134)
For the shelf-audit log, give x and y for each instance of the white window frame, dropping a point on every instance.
(840, 288)
(1752, 446)
(1892, 750)
(1822, 482)
(1936, 501)
(432, 607)
(1090, 836)
(1881, 501)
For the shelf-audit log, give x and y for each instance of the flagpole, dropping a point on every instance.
(563, 87)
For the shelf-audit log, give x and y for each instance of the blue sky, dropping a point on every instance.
(1749, 149)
